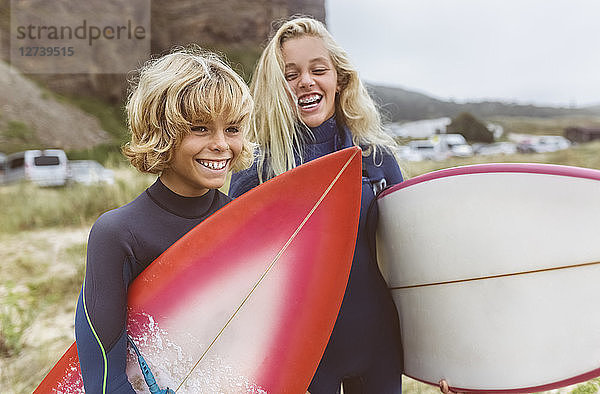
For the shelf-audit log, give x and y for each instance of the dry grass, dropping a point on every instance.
(42, 272)
(583, 155)
(548, 126)
(43, 235)
(24, 206)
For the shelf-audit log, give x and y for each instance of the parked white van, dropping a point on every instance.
(428, 150)
(43, 167)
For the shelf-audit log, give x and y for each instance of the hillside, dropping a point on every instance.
(398, 105)
(32, 117)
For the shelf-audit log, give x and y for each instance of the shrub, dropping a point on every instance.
(471, 128)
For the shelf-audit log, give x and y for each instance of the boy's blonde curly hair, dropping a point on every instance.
(175, 90)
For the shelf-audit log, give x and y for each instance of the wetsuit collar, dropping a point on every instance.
(186, 207)
(325, 131)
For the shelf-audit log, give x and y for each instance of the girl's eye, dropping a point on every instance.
(233, 130)
(290, 76)
(198, 129)
(320, 71)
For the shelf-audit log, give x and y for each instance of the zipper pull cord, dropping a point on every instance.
(148, 376)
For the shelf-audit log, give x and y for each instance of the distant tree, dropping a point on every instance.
(471, 128)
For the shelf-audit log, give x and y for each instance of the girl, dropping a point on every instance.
(189, 117)
(310, 102)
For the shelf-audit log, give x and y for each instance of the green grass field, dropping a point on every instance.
(43, 234)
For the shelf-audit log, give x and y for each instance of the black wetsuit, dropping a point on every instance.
(121, 244)
(365, 344)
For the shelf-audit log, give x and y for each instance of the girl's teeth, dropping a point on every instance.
(309, 100)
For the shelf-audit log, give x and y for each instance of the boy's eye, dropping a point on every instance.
(198, 129)
(320, 71)
(233, 130)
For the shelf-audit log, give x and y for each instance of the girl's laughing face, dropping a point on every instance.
(312, 77)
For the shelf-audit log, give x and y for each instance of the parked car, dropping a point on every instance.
(2, 167)
(405, 153)
(89, 172)
(496, 148)
(455, 144)
(43, 167)
(428, 150)
(543, 144)
(552, 143)
(526, 146)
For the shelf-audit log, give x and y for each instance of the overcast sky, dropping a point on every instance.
(545, 52)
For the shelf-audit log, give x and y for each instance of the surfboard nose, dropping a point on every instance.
(249, 297)
(267, 284)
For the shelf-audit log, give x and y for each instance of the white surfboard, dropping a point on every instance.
(495, 271)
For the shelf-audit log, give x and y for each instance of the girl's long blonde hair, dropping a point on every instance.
(277, 126)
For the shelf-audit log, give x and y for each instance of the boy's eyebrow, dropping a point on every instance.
(236, 120)
(228, 121)
(201, 121)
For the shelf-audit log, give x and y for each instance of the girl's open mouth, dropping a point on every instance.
(309, 101)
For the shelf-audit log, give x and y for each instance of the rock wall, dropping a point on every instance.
(237, 27)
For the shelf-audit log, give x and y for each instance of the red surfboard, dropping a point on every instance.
(247, 300)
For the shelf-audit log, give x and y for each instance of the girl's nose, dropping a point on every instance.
(306, 80)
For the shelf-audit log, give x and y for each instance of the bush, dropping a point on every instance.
(16, 136)
(471, 128)
(109, 155)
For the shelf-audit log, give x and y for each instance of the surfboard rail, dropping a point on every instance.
(534, 389)
(487, 168)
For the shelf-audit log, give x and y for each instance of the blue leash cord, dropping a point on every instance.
(148, 376)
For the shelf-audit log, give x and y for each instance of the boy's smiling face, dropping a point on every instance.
(203, 158)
